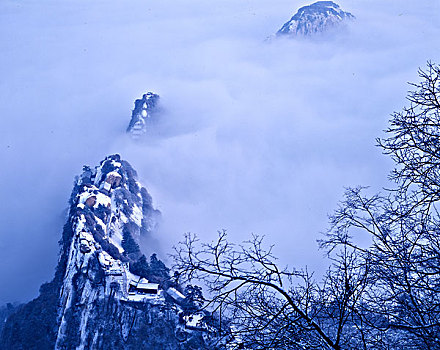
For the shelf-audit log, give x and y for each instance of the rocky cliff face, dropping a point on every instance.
(143, 114)
(316, 18)
(111, 211)
(106, 294)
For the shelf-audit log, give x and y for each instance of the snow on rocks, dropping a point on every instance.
(316, 18)
(106, 200)
(105, 277)
(143, 112)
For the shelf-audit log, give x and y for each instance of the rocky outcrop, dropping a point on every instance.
(105, 293)
(143, 114)
(316, 18)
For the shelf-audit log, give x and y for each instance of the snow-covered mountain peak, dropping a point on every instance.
(315, 18)
(106, 294)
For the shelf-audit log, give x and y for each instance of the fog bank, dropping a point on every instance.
(256, 135)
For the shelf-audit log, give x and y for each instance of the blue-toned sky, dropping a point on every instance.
(256, 136)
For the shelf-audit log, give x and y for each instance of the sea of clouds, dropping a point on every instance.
(257, 135)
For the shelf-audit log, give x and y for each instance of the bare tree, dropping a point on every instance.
(383, 295)
(401, 298)
(403, 224)
(413, 140)
(265, 306)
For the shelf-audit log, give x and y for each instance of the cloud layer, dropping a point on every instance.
(257, 135)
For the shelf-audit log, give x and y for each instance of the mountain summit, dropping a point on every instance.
(316, 18)
(106, 294)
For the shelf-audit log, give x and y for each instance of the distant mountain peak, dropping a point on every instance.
(316, 18)
(144, 110)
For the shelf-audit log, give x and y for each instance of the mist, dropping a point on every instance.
(257, 134)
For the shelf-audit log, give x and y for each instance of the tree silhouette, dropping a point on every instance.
(382, 295)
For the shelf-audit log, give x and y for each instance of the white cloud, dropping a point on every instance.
(256, 136)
